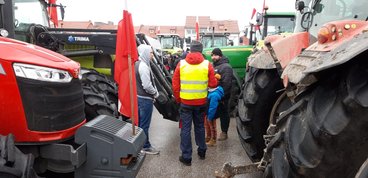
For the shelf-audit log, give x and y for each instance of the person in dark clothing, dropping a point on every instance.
(177, 60)
(223, 68)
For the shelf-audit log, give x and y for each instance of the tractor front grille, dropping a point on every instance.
(51, 106)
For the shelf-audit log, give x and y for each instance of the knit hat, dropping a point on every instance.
(196, 46)
(217, 51)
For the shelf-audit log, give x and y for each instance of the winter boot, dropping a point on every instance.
(211, 143)
(222, 137)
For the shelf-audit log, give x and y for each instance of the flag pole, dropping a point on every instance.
(131, 91)
(130, 77)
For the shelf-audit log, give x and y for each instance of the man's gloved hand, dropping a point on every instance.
(218, 76)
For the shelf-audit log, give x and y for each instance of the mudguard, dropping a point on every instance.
(312, 61)
(286, 48)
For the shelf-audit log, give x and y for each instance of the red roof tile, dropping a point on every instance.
(152, 30)
(76, 24)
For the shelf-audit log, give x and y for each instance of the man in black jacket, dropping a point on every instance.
(222, 67)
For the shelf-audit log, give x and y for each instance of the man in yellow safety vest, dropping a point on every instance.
(192, 77)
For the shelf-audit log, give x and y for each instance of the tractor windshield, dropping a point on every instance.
(277, 25)
(30, 11)
(332, 10)
(26, 13)
(167, 42)
(217, 41)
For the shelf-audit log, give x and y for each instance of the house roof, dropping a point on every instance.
(205, 22)
(76, 24)
(153, 30)
(230, 26)
(106, 26)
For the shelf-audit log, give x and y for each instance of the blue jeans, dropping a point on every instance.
(145, 109)
(187, 115)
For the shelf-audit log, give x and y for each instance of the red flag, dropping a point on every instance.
(197, 28)
(53, 12)
(126, 49)
(253, 13)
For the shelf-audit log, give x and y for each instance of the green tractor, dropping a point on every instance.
(171, 43)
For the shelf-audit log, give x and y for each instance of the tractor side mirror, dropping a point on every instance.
(259, 19)
(62, 11)
(299, 5)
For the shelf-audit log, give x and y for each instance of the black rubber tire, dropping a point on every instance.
(363, 171)
(101, 83)
(234, 97)
(97, 104)
(325, 134)
(259, 93)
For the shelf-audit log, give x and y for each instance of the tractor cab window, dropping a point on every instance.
(332, 10)
(30, 11)
(27, 12)
(217, 41)
(167, 42)
(279, 25)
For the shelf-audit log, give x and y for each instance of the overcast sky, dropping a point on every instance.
(166, 12)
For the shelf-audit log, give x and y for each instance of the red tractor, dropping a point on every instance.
(42, 106)
(305, 101)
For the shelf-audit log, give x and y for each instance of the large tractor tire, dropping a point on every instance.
(363, 171)
(234, 95)
(100, 95)
(324, 134)
(259, 93)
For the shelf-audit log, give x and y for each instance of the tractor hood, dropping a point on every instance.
(21, 52)
(286, 48)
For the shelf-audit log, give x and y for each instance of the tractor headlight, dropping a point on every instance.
(4, 33)
(41, 73)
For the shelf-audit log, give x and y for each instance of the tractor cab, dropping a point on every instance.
(210, 40)
(171, 43)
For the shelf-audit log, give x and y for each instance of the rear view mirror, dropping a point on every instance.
(259, 19)
(299, 5)
(62, 11)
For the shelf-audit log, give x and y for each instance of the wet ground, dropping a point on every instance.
(165, 136)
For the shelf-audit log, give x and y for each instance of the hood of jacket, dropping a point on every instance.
(222, 60)
(218, 90)
(144, 52)
(194, 58)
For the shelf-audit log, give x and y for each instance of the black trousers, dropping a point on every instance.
(223, 113)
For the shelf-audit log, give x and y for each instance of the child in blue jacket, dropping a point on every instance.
(214, 97)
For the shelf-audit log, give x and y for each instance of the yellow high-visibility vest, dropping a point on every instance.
(193, 80)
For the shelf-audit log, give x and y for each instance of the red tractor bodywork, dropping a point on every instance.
(12, 117)
(337, 33)
(288, 47)
(338, 42)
